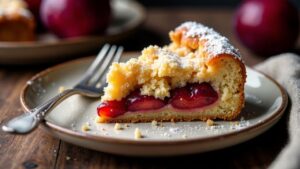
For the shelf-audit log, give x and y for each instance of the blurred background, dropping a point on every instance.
(257, 28)
(64, 29)
(198, 3)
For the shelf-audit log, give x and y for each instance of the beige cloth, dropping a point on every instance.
(285, 68)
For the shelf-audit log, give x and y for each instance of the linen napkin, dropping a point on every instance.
(285, 68)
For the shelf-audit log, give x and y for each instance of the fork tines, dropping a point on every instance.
(95, 75)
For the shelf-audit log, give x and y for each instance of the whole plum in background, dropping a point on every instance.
(267, 27)
(73, 18)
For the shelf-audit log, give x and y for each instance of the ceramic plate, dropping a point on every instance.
(127, 16)
(265, 103)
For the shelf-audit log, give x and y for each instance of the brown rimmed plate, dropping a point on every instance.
(265, 104)
(127, 17)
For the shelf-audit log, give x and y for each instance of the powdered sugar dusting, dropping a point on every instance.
(215, 43)
(168, 57)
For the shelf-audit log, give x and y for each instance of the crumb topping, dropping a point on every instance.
(159, 70)
(215, 44)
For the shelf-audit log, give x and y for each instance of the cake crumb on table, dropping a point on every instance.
(61, 89)
(210, 122)
(137, 133)
(118, 126)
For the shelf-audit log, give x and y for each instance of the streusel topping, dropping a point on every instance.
(156, 71)
(215, 43)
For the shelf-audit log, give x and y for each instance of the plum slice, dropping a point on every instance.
(138, 102)
(111, 108)
(189, 97)
(193, 96)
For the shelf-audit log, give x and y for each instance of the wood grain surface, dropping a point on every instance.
(41, 150)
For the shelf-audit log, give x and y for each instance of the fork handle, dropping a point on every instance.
(28, 121)
(40, 111)
(44, 108)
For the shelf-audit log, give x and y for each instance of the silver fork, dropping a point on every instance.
(91, 85)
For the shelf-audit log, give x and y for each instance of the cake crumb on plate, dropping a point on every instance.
(85, 127)
(137, 133)
(210, 122)
(118, 126)
(154, 123)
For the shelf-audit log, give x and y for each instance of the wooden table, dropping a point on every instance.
(40, 150)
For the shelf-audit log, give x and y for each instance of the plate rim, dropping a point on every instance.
(133, 4)
(50, 126)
